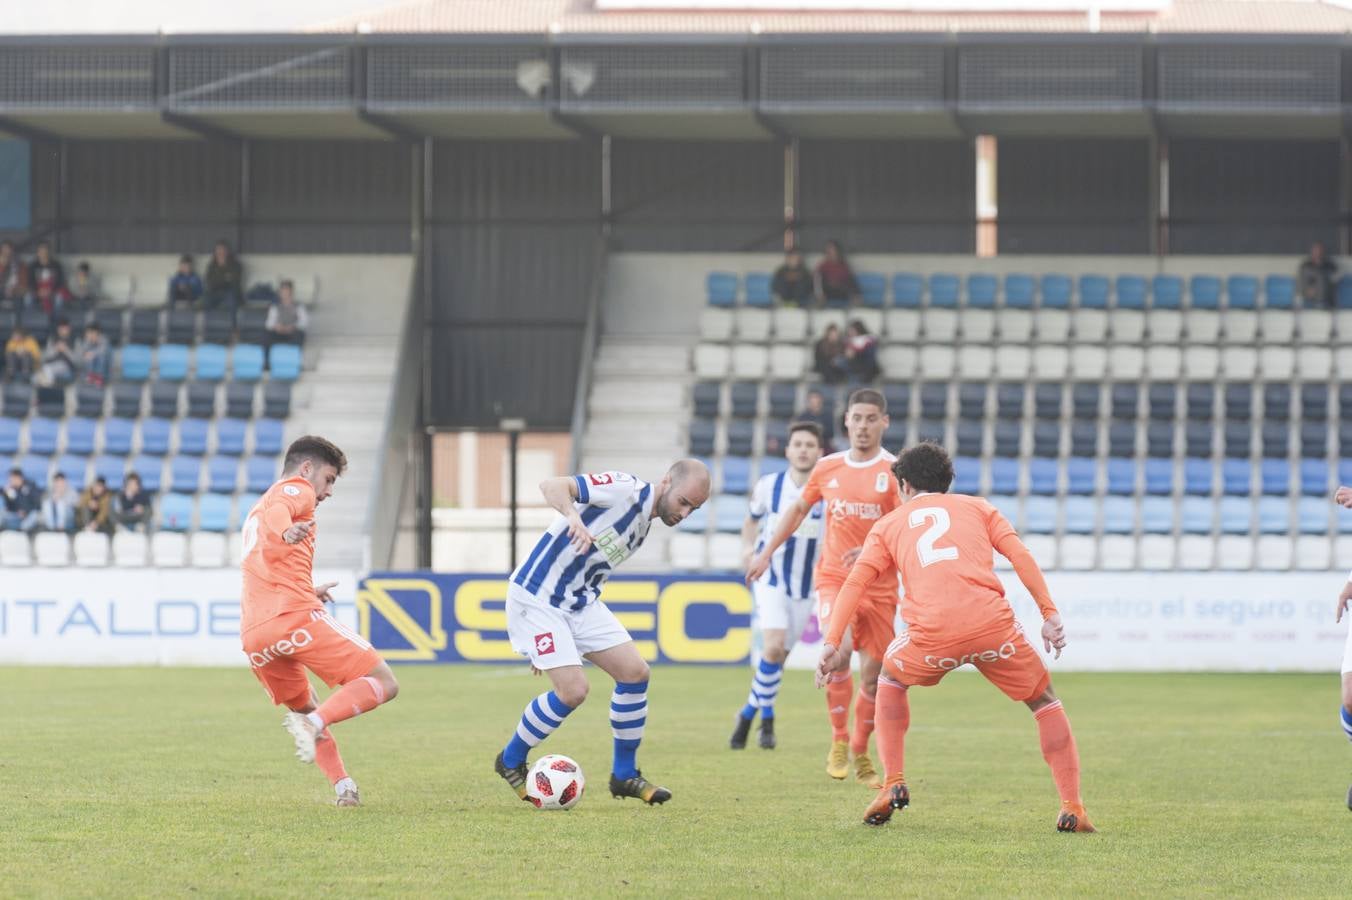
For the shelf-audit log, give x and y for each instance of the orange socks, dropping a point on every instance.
(863, 722)
(1058, 749)
(839, 690)
(327, 758)
(352, 699)
(894, 717)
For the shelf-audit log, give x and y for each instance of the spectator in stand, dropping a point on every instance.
(861, 354)
(82, 294)
(22, 355)
(22, 500)
(792, 283)
(815, 411)
(94, 512)
(13, 276)
(836, 286)
(225, 278)
(58, 510)
(95, 355)
(827, 355)
(48, 280)
(1316, 278)
(131, 506)
(287, 320)
(186, 285)
(59, 362)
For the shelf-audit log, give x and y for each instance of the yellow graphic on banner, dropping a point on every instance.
(640, 620)
(472, 617)
(678, 597)
(423, 644)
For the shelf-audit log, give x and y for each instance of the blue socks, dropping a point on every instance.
(628, 713)
(764, 690)
(1346, 718)
(543, 715)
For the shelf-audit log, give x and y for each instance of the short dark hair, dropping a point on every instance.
(83, 266)
(286, 283)
(186, 258)
(811, 428)
(16, 471)
(59, 476)
(926, 466)
(314, 448)
(869, 396)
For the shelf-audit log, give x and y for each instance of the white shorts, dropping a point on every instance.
(553, 637)
(1347, 651)
(774, 609)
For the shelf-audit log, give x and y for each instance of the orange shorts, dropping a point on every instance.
(283, 647)
(874, 619)
(1005, 657)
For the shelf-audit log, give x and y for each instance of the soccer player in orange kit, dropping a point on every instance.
(858, 489)
(284, 627)
(956, 613)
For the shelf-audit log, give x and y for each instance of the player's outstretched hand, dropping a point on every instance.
(297, 532)
(757, 568)
(578, 535)
(1343, 496)
(1054, 634)
(1344, 601)
(322, 591)
(826, 665)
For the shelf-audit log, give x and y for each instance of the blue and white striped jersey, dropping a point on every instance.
(791, 567)
(617, 510)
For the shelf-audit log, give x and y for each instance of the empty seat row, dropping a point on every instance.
(210, 362)
(156, 437)
(1126, 477)
(1163, 515)
(164, 549)
(198, 399)
(185, 474)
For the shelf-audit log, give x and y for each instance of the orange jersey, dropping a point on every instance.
(944, 545)
(857, 496)
(278, 577)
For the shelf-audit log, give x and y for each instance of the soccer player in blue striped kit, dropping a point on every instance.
(555, 618)
(783, 595)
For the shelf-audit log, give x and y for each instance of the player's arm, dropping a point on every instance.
(873, 560)
(562, 492)
(788, 524)
(1030, 574)
(1344, 599)
(750, 528)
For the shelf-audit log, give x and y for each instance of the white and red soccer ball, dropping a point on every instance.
(555, 782)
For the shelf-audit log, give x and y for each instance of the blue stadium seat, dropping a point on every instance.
(1004, 476)
(1159, 477)
(185, 474)
(872, 288)
(1163, 400)
(43, 435)
(934, 400)
(175, 512)
(1041, 476)
(192, 437)
(111, 469)
(76, 470)
(1198, 515)
(80, 435)
(706, 395)
(1119, 515)
(1241, 292)
(783, 400)
(1084, 439)
(772, 465)
(260, 472)
(1046, 439)
(1157, 515)
(1201, 399)
(1124, 398)
(1314, 477)
(908, 290)
(1312, 515)
(9, 436)
(150, 469)
(222, 474)
(1204, 292)
(1007, 506)
(741, 437)
(1275, 475)
(1314, 438)
(982, 291)
(1238, 440)
(721, 288)
(1007, 437)
(1314, 402)
(136, 360)
(729, 513)
(944, 290)
(1235, 515)
(1081, 475)
(1009, 400)
(758, 290)
(1197, 440)
(1238, 402)
(230, 435)
(1084, 400)
(155, 436)
(284, 362)
(1279, 291)
(969, 438)
(1166, 292)
(35, 469)
(210, 363)
(966, 475)
(1093, 292)
(1132, 292)
(736, 475)
(745, 399)
(1276, 438)
(1277, 402)
(1344, 301)
(213, 513)
(1235, 477)
(1039, 515)
(1056, 291)
(1197, 475)
(1047, 400)
(1159, 439)
(925, 430)
(1121, 476)
(702, 433)
(1080, 513)
(1274, 515)
(1020, 291)
(268, 436)
(246, 362)
(172, 362)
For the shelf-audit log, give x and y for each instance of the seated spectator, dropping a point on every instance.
(22, 355)
(48, 280)
(20, 511)
(1316, 278)
(95, 355)
(792, 283)
(131, 506)
(58, 510)
(827, 355)
(82, 293)
(815, 411)
(13, 276)
(287, 320)
(861, 353)
(59, 362)
(94, 512)
(225, 278)
(186, 285)
(835, 280)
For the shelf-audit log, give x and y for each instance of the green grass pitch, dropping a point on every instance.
(122, 782)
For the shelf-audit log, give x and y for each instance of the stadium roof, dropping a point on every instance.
(584, 17)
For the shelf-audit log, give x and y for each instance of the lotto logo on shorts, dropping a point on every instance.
(948, 663)
(284, 647)
(544, 643)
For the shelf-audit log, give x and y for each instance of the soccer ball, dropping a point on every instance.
(555, 782)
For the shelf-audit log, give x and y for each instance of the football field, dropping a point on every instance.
(119, 782)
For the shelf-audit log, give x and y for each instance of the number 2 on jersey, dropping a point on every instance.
(930, 554)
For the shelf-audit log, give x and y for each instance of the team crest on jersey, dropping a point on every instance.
(291, 490)
(881, 484)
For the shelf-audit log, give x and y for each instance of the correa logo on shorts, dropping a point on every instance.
(841, 509)
(948, 663)
(544, 643)
(285, 647)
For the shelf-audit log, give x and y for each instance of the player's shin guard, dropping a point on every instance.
(894, 718)
(764, 690)
(863, 722)
(1345, 717)
(1058, 749)
(628, 714)
(352, 699)
(542, 717)
(327, 758)
(839, 690)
